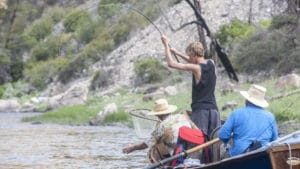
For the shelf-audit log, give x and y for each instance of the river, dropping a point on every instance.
(41, 146)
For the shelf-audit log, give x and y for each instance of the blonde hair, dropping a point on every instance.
(195, 49)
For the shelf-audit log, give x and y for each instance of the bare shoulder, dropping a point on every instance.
(211, 61)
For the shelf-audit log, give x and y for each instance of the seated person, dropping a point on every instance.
(164, 138)
(250, 127)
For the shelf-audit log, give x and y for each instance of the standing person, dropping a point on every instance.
(164, 138)
(250, 127)
(204, 108)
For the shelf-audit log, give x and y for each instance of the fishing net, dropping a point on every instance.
(143, 123)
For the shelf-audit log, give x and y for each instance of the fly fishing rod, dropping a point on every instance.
(146, 17)
(155, 26)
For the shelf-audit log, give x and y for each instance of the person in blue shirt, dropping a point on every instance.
(251, 124)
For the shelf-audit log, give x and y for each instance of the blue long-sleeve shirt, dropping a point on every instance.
(247, 124)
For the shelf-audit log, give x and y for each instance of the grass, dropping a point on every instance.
(72, 115)
(287, 108)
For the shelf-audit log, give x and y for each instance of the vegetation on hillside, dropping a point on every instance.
(271, 47)
(46, 42)
(286, 108)
(38, 34)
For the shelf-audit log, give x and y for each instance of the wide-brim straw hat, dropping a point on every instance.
(162, 107)
(256, 95)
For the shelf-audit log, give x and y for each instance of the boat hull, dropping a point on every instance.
(283, 153)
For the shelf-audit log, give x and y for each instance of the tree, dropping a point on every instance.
(293, 6)
(200, 21)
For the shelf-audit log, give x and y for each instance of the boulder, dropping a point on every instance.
(170, 90)
(11, 105)
(108, 109)
(286, 81)
(229, 105)
(153, 96)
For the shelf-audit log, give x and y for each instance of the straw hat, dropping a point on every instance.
(162, 107)
(256, 95)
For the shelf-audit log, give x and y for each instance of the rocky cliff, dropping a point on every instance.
(146, 43)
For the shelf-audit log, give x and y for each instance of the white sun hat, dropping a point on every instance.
(256, 95)
(162, 107)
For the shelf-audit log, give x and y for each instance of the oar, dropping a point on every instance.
(194, 149)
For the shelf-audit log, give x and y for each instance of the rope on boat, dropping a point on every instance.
(290, 155)
(292, 160)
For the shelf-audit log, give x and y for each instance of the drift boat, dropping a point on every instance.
(283, 153)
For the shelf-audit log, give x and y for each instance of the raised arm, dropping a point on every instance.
(194, 68)
(182, 55)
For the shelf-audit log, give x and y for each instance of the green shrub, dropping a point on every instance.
(108, 8)
(40, 28)
(86, 33)
(285, 116)
(2, 90)
(70, 70)
(98, 47)
(116, 117)
(120, 32)
(280, 21)
(4, 56)
(76, 19)
(41, 52)
(234, 30)
(43, 72)
(100, 79)
(266, 51)
(50, 48)
(27, 41)
(265, 23)
(289, 62)
(93, 52)
(55, 13)
(149, 70)
(121, 28)
(16, 70)
(16, 89)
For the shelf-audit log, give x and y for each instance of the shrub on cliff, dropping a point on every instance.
(100, 79)
(269, 50)
(149, 70)
(76, 19)
(39, 74)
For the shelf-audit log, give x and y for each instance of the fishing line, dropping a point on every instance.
(146, 17)
(155, 26)
(97, 5)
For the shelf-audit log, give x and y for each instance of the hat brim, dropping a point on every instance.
(171, 109)
(260, 103)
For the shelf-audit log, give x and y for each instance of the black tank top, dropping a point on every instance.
(203, 96)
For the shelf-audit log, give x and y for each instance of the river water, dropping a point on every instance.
(41, 146)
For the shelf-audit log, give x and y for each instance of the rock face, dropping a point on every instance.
(289, 80)
(147, 43)
(76, 94)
